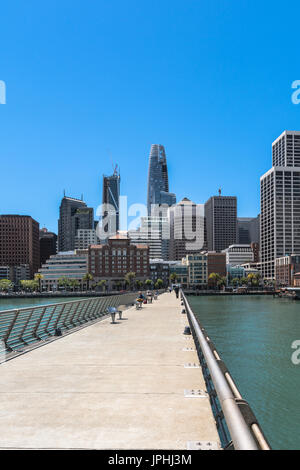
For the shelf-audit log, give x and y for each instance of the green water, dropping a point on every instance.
(7, 304)
(253, 335)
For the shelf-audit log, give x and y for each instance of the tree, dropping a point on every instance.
(138, 284)
(129, 277)
(148, 283)
(87, 278)
(173, 278)
(214, 278)
(244, 281)
(30, 285)
(5, 285)
(74, 283)
(102, 284)
(222, 282)
(159, 284)
(64, 282)
(235, 281)
(38, 277)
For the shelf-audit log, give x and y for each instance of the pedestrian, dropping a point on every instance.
(177, 291)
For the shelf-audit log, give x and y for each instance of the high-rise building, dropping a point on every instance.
(158, 182)
(239, 254)
(85, 237)
(73, 215)
(48, 245)
(111, 203)
(280, 203)
(187, 229)
(248, 230)
(221, 222)
(154, 232)
(19, 242)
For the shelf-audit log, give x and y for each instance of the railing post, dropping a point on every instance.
(34, 333)
(25, 326)
(12, 324)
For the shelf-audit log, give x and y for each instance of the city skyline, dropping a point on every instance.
(67, 115)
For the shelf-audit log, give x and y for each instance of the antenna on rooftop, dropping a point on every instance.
(220, 191)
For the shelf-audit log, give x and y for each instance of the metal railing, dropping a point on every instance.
(237, 425)
(25, 326)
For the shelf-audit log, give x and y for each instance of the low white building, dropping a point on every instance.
(239, 254)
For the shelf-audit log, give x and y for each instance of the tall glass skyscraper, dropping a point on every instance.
(158, 183)
(111, 202)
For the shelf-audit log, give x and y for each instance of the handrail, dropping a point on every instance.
(244, 436)
(26, 326)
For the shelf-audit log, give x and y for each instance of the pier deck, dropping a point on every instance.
(108, 387)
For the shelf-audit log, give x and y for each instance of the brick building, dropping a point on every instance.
(113, 260)
(285, 269)
(19, 242)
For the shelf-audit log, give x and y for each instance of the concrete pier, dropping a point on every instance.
(109, 386)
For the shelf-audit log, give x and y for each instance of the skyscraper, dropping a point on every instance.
(111, 203)
(20, 246)
(248, 230)
(187, 229)
(48, 245)
(280, 203)
(158, 183)
(221, 222)
(73, 215)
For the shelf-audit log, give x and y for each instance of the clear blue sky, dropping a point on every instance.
(92, 80)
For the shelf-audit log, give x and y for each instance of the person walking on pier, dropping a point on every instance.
(176, 291)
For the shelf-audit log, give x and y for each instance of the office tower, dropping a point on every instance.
(158, 183)
(280, 203)
(73, 215)
(221, 222)
(187, 229)
(111, 203)
(48, 245)
(19, 236)
(248, 230)
(84, 238)
(154, 232)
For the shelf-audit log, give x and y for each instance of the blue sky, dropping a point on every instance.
(91, 82)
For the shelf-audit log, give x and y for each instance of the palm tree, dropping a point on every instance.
(74, 283)
(38, 277)
(235, 281)
(102, 284)
(221, 282)
(64, 282)
(214, 278)
(87, 278)
(129, 277)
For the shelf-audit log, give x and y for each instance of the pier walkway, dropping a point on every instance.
(109, 386)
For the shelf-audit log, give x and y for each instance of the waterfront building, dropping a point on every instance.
(285, 269)
(248, 230)
(181, 271)
(113, 260)
(160, 269)
(187, 229)
(158, 182)
(221, 222)
(197, 269)
(111, 203)
(280, 203)
(216, 263)
(239, 254)
(19, 235)
(73, 215)
(71, 265)
(84, 238)
(252, 267)
(48, 245)
(5, 272)
(235, 272)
